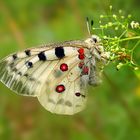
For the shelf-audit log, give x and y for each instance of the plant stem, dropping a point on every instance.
(125, 39)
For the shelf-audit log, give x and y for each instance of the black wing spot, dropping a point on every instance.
(78, 94)
(26, 75)
(11, 65)
(14, 69)
(14, 56)
(42, 56)
(30, 78)
(28, 52)
(59, 52)
(29, 64)
(19, 73)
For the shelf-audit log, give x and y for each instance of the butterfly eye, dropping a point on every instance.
(94, 39)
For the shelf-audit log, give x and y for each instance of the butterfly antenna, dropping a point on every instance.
(89, 25)
(92, 22)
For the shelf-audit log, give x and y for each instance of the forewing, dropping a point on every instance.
(24, 71)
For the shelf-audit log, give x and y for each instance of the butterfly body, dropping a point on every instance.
(57, 74)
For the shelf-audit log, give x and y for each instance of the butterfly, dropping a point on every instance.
(57, 74)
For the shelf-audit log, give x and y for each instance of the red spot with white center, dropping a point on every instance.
(81, 64)
(60, 88)
(64, 67)
(81, 51)
(85, 70)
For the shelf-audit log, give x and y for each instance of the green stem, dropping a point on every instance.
(135, 45)
(125, 39)
(132, 50)
(123, 34)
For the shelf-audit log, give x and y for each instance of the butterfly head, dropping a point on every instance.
(92, 41)
(96, 49)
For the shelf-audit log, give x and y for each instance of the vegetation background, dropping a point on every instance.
(113, 109)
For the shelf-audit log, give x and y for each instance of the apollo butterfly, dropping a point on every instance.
(57, 74)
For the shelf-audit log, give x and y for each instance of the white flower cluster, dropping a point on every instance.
(135, 25)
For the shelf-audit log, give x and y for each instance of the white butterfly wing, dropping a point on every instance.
(18, 77)
(37, 73)
(20, 71)
(72, 97)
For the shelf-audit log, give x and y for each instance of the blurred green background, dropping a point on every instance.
(113, 109)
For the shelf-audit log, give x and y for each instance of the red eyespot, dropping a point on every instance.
(81, 64)
(81, 51)
(64, 67)
(81, 56)
(85, 70)
(60, 88)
